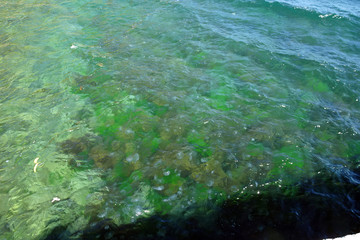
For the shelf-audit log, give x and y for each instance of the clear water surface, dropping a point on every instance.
(115, 109)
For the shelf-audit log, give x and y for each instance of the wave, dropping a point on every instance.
(334, 8)
(289, 8)
(280, 27)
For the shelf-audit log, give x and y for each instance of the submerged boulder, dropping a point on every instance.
(88, 148)
(102, 157)
(324, 206)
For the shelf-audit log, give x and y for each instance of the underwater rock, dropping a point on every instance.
(239, 175)
(177, 156)
(130, 148)
(78, 145)
(84, 80)
(160, 99)
(211, 171)
(74, 146)
(174, 127)
(134, 162)
(95, 202)
(102, 158)
(313, 209)
(188, 162)
(116, 146)
(92, 147)
(125, 133)
(300, 211)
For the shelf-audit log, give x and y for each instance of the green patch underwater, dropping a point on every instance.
(178, 120)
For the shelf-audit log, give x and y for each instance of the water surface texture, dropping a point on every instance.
(119, 109)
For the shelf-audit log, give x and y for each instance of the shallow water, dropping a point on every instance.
(141, 107)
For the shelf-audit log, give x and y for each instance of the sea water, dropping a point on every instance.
(115, 109)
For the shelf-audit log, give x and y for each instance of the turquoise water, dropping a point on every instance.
(133, 108)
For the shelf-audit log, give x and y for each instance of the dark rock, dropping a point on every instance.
(102, 158)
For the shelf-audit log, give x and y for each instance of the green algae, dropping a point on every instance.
(117, 116)
(287, 162)
(198, 141)
(220, 98)
(318, 86)
(255, 150)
